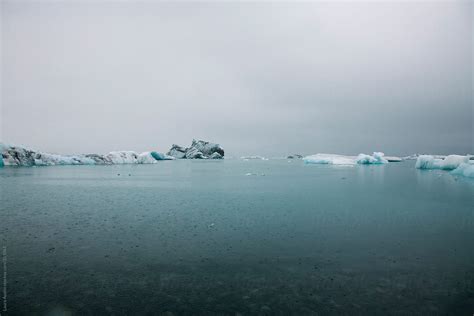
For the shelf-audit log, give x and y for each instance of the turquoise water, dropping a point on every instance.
(202, 237)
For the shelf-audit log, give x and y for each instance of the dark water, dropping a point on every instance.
(202, 238)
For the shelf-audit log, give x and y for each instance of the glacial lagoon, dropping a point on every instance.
(236, 237)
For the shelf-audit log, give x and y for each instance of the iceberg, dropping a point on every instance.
(45, 159)
(177, 151)
(194, 153)
(393, 159)
(376, 159)
(145, 158)
(148, 157)
(99, 159)
(332, 159)
(21, 156)
(253, 157)
(464, 169)
(17, 156)
(122, 157)
(199, 149)
(216, 155)
(448, 163)
(160, 156)
(294, 156)
(207, 148)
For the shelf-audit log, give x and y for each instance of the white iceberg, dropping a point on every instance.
(146, 158)
(122, 157)
(45, 159)
(149, 157)
(333, 159)
(376, 159)
(330, 159)
(464, 169)
(449, 163)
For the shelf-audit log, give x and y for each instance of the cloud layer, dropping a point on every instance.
(264, 78)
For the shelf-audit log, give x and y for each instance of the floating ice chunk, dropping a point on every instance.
(453, 161)
(208, 149)
(330, 159)
(426, 162)
(45, 159)
(199, 149)
(393, 159)
(2, 148)
(376, 159)
(177, 151)
(146, 158)
(21, 156)
(253, 158)
(122, 157)
(160, 156)
(294, 156)
(216, 155)
(449, 163)
(194, 153)
(17, 156)
(464, 169)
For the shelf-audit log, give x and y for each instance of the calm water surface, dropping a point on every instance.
(203, 238)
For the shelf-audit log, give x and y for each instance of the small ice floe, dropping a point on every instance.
(255, 174)
(294, 156)
(393, 159)
(331, 159)
(211, 225)
(253, 158)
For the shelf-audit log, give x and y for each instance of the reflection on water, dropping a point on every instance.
(200, 237)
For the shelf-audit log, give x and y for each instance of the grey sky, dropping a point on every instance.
(263, 78)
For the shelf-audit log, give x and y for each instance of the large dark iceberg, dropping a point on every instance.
(199, 149)
(11, 155)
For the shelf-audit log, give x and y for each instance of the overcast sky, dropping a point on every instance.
(258, 78)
